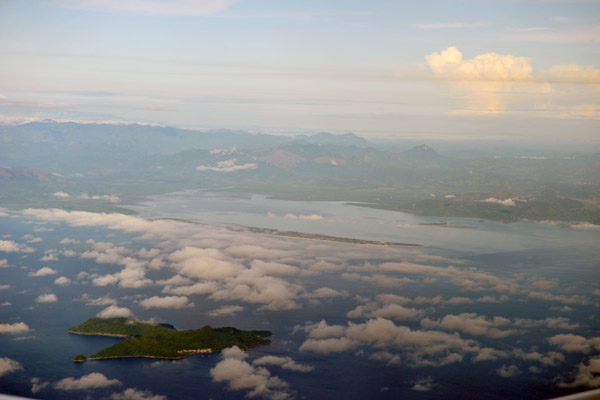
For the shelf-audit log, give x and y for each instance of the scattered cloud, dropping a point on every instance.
(13, 329)
(114, 311)
(225, 311)
(240, 375)
(283, 362)
(8, 366)
(44, 271)
(136, 394)
(93, 380)
(9, 246)
(586, 375)
(63, 281)
(508, 371)
(423, 385)
(46, 298)
(575, 343)
(166, 302)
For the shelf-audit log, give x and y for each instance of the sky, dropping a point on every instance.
(499, 70)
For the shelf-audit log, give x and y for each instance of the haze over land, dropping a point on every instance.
(405, 194)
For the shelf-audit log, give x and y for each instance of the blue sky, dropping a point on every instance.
(495, 70)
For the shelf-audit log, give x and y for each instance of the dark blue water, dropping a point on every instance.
(535, 250)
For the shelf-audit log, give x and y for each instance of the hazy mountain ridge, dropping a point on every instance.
(131, 160)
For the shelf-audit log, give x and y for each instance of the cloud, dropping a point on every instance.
(432, 348)
(44, 271)
(69, 241)
(46, 298)
(506, 202)
(575, 343)
(472, 324)
(225, 311)
(283, 362)
(449, 64)
(423, 385)
(311, 217)
(61, 194)
(572, 73)
(508, 371)
(166, 302)
(13, 329)
(63, 280)
(8, 366)
(3, 263)
(9, 246)
(586, 375)
(37, 385)
(114, 311)
(150, 7)
(93, 380)
(451, 25)
(227, 166)
(136, 394)
(240, 375)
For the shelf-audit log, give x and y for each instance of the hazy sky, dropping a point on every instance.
(488, 69)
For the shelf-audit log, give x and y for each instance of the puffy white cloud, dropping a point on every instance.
(449, 64)
(46, 298)
(240, 375)
(166, 302)
(136, 394)
(472, 324)
(114, 311)
(283, 362)
(225, 311)
(63, 281)
(421, 347)
(10, 246)
(3, 263)
(69, 241)
(13, 329)
(575, 343)
(93, 380)
(44, 271)
(61, 194)
(8, 366)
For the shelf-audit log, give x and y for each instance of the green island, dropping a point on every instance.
(163, 340)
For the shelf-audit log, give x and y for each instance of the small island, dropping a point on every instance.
(163, 340)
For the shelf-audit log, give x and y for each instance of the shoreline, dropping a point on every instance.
(201, 351)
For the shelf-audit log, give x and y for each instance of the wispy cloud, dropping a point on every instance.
(451, 25)
(150, 7)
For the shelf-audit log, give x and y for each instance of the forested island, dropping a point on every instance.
(163, 340)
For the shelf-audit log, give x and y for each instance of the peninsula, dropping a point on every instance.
(163, 340)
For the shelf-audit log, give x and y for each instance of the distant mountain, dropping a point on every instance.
(347, 139)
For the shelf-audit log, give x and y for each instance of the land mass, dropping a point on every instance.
(163, 340)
